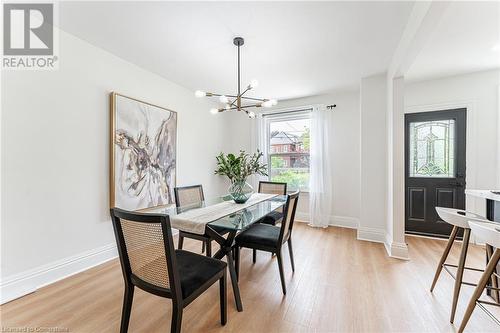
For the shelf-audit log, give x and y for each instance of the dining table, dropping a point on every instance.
(209, 217)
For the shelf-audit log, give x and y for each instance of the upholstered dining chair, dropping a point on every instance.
(150, 262)
(272, 188)
(271, 238)
(276, 216)
(193, 195)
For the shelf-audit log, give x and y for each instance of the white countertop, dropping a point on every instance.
(486, 194)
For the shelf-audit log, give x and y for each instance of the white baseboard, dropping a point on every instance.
(29, 281)
(371, 234)
(335, 220)
(395, 249)
(399, 251)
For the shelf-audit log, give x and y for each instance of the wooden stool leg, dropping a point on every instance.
(447, 249)
(480, 287)
(460, 273)
(494, 281)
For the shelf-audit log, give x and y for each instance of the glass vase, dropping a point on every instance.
(240, 191)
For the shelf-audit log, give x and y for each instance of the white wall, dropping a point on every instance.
(55, 159)
(345, 153)
(479, 93)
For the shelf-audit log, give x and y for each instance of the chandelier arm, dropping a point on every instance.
(231, 108)
(254, 99)
(251, 106)
(209, 94)
(243, 93)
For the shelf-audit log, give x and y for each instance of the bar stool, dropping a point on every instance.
(460, 220)
(490, 234)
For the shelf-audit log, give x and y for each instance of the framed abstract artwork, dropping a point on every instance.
(143, 143)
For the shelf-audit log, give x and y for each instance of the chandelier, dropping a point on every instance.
(239, 102)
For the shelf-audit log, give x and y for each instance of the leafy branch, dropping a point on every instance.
(239, 168)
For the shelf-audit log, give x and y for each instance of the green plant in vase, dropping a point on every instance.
(238, 168)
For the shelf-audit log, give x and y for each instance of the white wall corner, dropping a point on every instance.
(29, 281)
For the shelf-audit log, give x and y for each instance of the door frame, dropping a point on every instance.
(471, 204)
(461, 113)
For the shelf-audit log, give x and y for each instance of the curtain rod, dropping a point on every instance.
(329, 107)
(282, 112)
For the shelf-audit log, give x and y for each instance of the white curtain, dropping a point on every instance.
(320, 182)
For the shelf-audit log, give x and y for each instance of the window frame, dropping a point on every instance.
(265, 120)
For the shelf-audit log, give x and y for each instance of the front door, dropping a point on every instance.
(434, 168)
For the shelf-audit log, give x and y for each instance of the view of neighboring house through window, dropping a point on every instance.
(288, 149)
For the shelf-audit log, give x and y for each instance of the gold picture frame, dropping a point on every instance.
(148, 165)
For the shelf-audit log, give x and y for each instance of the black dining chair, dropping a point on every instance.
(270, 238)
(275, 216)
(193, 195)
(150, 262)
(267, 187)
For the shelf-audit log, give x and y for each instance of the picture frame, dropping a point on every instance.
(143, 154)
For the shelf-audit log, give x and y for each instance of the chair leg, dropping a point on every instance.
(494, 280)
(290, 249)
(237, 261)
(209, 248)
(460, 273)
(202, 247)
(282, 273)
(447, 249)
(254, 256)
(223, 298)
(490, 268)
(127, 306)
(181, 241)
(175, 326)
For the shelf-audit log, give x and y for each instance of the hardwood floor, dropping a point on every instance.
(340, 285)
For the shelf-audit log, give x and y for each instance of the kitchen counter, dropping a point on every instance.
(485, 194)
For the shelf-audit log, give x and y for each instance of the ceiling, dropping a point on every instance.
(467, 39)
(294, 49)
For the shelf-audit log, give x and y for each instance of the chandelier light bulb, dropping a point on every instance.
(228, 106)
(199, 93)
(223, 99)
(267, 104)
(274, 102)
(254, 84)
(214, 111)
(251, 114)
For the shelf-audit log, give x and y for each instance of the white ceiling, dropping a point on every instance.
(294, 49)
(464, 41)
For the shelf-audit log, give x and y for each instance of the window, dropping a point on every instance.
(287, 147)
(432, 149)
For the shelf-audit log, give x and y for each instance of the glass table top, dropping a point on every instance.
(236, 221)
